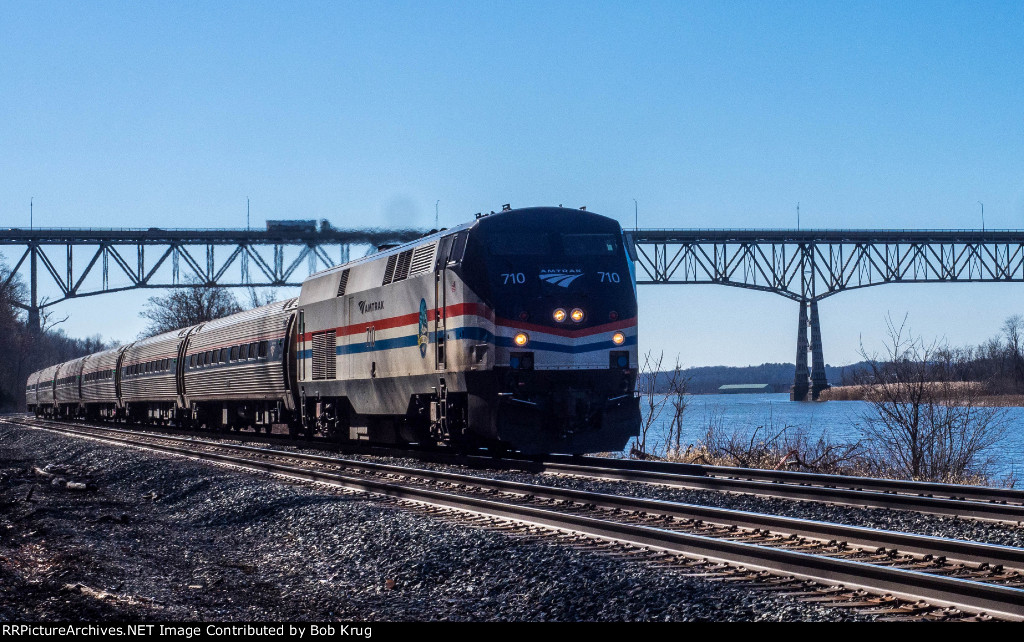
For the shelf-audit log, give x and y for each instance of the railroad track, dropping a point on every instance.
(895, 575)
(956, 500)
(974, 502)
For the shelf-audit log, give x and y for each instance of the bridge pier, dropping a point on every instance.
(33, 309)
(819, 381)
(813, 381)
(801, 379)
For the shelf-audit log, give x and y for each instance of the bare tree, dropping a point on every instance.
(1013, 330)
(260, 298)
(647, 386)
(924, 423)
(186, 306)
(678, 400)
(658, 391)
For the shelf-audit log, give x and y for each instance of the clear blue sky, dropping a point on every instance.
(720, 114)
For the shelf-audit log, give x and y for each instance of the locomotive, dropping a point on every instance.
(515, 331)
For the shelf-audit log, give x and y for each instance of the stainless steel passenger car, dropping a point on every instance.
(99, 384)
(45, 382)
(149, 377)
(238, 370)
(68, 389)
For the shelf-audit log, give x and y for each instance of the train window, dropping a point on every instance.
(458, 247)
(253, 349)
(590, 244)
(210, 357)
(263, 348)
(516, 244)
(191, 361)
(167, 364)
(234, 353)
(223, 355)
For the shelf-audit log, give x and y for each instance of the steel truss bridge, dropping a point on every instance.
(85, 262)
(803, 265)
(810, 265)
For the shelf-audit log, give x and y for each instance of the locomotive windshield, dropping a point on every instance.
(537, 260)
(538, 244)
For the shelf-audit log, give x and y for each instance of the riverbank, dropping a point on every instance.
(957, 392)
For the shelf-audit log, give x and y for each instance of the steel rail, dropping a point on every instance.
(994, 599)
(908, 487)
(851, 497)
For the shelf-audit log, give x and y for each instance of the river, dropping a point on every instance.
(840, 421)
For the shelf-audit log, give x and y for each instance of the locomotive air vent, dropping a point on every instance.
(397, 268)
(389, 271)
(324, 355)
(402, 269)
(422, 259)
(343, 283)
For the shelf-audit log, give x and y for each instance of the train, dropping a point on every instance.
(515, 331)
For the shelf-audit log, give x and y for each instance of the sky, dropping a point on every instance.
(717, 114)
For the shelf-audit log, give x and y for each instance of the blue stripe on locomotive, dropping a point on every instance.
(473, 334)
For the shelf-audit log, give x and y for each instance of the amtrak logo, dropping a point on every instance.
(370, 306)
(561, 278)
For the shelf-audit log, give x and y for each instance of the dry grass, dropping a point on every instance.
(953, 391)
(795, 451)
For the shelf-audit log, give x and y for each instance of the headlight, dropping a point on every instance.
(577, 315)
(521, 339)
(558, 315)
(618, 338)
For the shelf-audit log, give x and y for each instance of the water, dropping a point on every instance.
(838, 420)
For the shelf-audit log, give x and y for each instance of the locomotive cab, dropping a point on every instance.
(563, 295)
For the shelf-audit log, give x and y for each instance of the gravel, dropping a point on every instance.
(166, 538)
(880, 518)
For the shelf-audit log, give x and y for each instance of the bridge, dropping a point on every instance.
(803, 265)
(86, 262)
(810, 265)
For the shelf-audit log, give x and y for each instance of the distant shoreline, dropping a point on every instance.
(978, 398)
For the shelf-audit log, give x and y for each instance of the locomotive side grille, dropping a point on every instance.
(324, 366)
(422, 259)
(343, 283)
(402, 269)
(389, 271)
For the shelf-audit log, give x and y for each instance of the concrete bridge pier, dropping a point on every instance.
(808, 382)
(819, 381)
(33, 308)
(801, 383)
